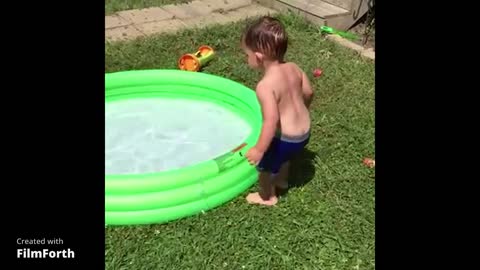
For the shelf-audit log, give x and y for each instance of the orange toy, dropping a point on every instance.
(193, 62)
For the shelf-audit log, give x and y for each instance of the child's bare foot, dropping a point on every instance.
(254, 198)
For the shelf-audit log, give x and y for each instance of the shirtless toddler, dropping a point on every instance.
(284, 94)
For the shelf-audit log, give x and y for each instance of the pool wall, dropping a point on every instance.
(170, 195)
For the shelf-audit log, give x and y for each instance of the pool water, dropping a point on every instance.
(155, 135)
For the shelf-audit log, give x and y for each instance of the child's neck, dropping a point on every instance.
(268, 64)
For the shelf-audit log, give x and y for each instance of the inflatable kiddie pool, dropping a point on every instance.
(175, 144)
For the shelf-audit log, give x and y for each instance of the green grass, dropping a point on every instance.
(326, 221)
(112, 6)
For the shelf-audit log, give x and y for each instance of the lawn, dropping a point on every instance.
(325, 221)
(112, 6)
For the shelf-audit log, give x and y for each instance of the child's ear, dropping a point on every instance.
(259, 57)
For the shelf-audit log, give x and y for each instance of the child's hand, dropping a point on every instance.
(254, 156)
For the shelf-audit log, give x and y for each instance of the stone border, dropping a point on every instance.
(368, 53)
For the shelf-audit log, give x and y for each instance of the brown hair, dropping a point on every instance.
(267, 36)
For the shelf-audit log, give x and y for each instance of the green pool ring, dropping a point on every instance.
(170, 195)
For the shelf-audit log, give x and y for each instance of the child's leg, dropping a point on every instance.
(266, 195)
(282, 176)
(267, 187)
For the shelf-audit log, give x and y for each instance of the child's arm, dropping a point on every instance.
(271, 116)
(268, 103)
(307, 90)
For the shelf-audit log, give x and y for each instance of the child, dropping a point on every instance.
(284, 94)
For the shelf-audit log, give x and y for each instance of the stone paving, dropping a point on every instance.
(131, 24)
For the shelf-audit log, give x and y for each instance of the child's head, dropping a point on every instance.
(265, 40)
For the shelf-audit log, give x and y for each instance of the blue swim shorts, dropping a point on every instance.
(282, 149)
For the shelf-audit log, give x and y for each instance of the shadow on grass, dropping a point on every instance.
(302, 170)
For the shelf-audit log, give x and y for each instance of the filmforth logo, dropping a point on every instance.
(27, 253)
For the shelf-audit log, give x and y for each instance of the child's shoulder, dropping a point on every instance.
(264, 83)
(294, 65)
